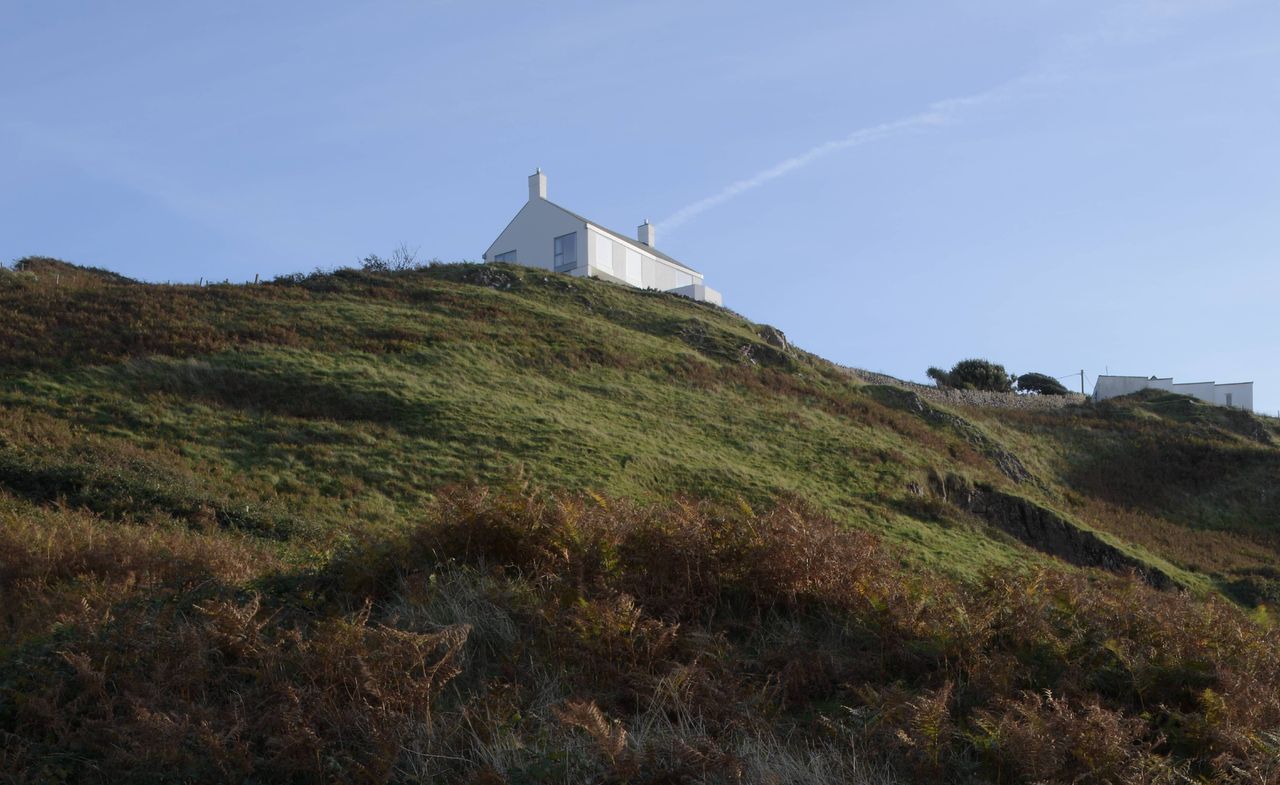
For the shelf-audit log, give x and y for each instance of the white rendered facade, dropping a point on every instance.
(544, 234)
(1238, 395)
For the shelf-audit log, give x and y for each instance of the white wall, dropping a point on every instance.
(703, 294)
(531, 234)
(625, 263)
(1111, 386)
(1202, 390)
(1241, 395)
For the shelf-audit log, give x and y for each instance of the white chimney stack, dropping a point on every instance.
(645, 234)
(537, 185)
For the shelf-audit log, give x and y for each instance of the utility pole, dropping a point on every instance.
(1082, 381)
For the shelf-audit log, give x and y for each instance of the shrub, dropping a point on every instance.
(612, 640)
(402, 258)
(1040, 384)
(973, 374)
(228, 691)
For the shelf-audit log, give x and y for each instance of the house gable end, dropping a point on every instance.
(531, 232)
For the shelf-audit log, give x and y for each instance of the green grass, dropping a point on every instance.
(250, 532)
(314, 408)
(389, 388)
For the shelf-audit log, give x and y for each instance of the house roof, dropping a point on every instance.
(649, 249)
(1102, 376)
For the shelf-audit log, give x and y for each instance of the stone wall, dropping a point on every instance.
(972, 397)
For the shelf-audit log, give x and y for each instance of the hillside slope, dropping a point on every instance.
(175, 458)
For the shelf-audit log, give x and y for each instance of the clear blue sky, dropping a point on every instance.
(1053, 184)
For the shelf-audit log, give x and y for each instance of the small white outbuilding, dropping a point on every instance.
(544, 234)
(1238, 395)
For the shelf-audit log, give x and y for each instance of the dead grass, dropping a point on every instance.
(65, 568)
(520, 636)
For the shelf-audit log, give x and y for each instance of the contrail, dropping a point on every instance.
(938, 113)
(941, 112)
(859, 137)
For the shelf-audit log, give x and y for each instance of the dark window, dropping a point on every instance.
(566, 252)
(509, 256)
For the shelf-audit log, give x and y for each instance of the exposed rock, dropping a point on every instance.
(774, 337)
(484, 275)
(760, 354)
(908, 400)
(722, 344)
(1045, 530)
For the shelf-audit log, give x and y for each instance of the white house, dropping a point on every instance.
(1238, 395)
(544, 234)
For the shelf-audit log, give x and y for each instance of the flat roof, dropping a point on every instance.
(1102, 376)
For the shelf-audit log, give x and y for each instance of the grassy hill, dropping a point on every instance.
(488, 524)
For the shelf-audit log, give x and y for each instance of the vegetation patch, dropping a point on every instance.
(487, 524)
(520, 636)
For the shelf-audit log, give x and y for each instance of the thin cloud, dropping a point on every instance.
(859, 137)
(938, 113)
(1134, 21)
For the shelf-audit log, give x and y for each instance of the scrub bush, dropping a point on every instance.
(973, 375)
(1040, 384)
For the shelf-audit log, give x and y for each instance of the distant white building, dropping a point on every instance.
(1238, 395)
(544, 234)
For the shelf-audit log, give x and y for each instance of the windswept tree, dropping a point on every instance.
(1040, 384)
(973, 374)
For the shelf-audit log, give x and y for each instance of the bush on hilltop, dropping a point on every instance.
(973, 374)
(1040, 384)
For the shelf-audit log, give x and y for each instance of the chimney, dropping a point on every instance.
(537, 185)
(645, 234)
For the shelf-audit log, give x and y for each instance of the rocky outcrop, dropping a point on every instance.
(910, 401)
(494, 277)
(773, 336)
(1045, 530)
(721, 344)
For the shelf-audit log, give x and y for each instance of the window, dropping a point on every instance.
(1228, 399)
(509, 256)
(566, 252)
